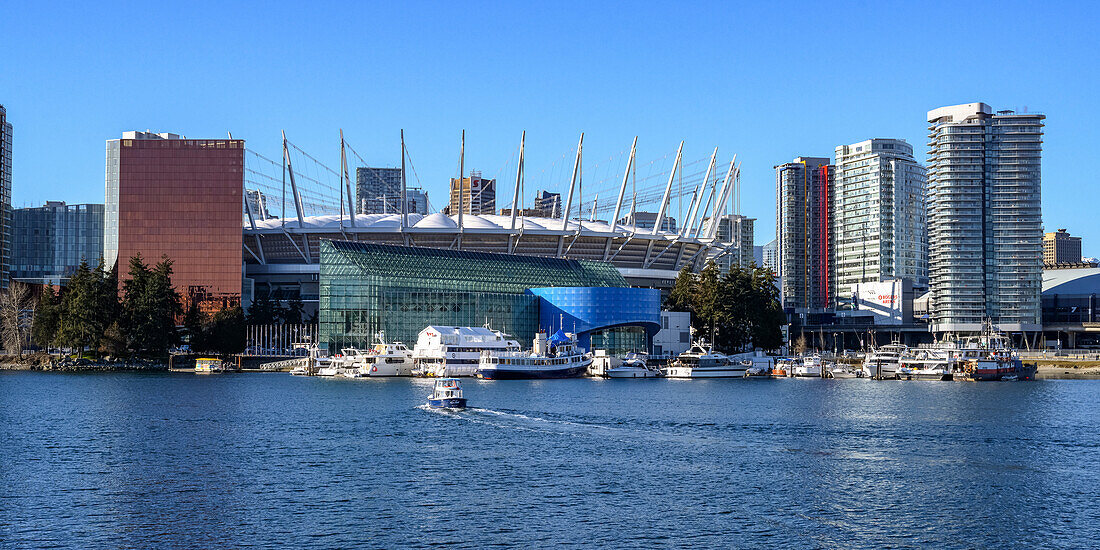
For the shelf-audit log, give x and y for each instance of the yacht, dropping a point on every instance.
(447, 394)
(386, 359)
(633, 366)
(783, 367)
(883, 362)
(556, 356)
(702, 362)
(811, 366)
(443, 351)
(926, 364)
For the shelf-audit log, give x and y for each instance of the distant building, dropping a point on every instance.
(984, 218)
(171, 196)
(49, 242)
(674, 337)
(5, 197)
(647, 220)
(257, 204)
(475, 195)
(734, 246)
(770, 253)
(526, 212)
(803, 189)
(417, 201)
(758, 255)
(1060, 248)
(548, 204)
(378, 190)
(878, 215)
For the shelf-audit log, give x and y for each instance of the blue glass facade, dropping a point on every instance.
(616, 319)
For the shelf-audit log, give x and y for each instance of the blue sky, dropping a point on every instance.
(766, 81)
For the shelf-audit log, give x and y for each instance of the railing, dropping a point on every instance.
(279, 340)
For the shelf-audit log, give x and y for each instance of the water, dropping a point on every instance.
(263, 460)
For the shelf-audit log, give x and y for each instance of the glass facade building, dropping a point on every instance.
(5, 197)
(49, 242)
(181, 198)
(803, 195)
(366, 287)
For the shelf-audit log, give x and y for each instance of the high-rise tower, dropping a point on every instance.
(984, 217)
(803, 191)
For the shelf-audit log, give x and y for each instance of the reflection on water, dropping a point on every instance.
(129, 460)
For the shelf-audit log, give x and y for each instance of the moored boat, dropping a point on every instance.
(811, 366)
(633, 366)
(555, 357)
(700, 361)
(386, 359)
(444, 351)
(882, 362)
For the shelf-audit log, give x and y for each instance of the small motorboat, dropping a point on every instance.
(447, 394)
(633, 366)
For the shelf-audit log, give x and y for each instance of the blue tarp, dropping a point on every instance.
(558, 337)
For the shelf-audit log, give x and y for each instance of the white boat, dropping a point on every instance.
(883, 362)
(811, 366)
(556, 356)
(447, 394)
(926, 364)
(841, 371)
(443, 351)
(702, 362)
(633, 366)
(386, 359)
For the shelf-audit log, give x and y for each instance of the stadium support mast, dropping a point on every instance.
(293, 186)
(347, 182)
(461, 174)
(572, 186)
(404, 187)
(668, 191)
(622, 188)
(712, 228)
(697, 198)
(519, 179)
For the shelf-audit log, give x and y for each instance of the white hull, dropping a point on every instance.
(388, 369)
(631, 372)
(328, 371)
(806, 372)
(732, 371)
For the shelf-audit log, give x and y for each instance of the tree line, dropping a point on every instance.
(739, 310)
(92, 313)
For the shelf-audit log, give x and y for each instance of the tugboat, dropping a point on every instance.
(555, 357)
(989, 356)
(447, 395)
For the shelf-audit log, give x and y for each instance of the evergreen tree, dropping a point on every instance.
(80, 320)
(292, 315)
(150, 307)
(47, 318)
(768, 313)
(681, 297)
(264, 310)
(226, 331)
(707, 312)
(194, 325)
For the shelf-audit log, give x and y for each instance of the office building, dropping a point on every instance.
(984, 218)
(1061, 248)
(417, 201)
(49, 242)
(770, 256)
(803, 189)
(257, 205)
(475, 195)
(5, 197)
(548, 204)
(366, 287)
(734, 242)
(878, 215)
(167, 195)
(378, 190)
(647, 220)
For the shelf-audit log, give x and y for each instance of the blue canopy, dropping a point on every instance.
(558, 337)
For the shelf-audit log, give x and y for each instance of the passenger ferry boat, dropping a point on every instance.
(447, 394)
(456, 351)
(702, 362)
(207, 365)
(555, 357)
(633, 366)
(883, 362)
(386, 359)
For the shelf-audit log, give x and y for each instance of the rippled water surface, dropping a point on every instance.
(263, 460)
